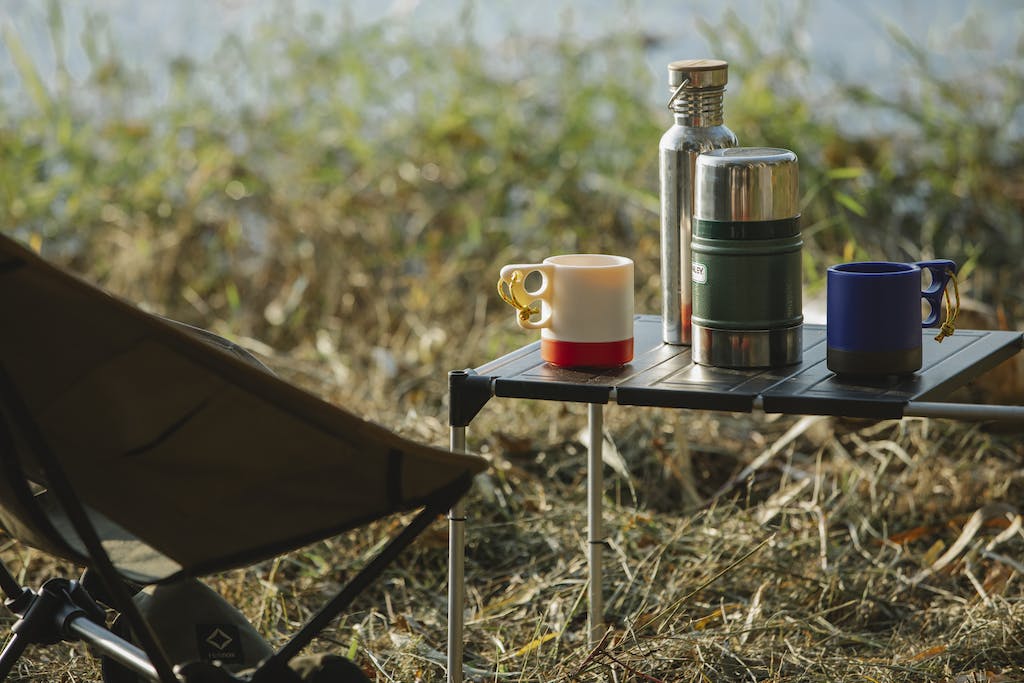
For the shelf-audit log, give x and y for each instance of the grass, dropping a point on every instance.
(349, 230)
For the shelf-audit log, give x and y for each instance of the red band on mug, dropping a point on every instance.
(587, 354)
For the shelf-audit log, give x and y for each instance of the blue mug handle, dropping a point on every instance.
(941, 270)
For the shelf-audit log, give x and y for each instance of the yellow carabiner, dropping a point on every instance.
(952, 310)
(525, 311)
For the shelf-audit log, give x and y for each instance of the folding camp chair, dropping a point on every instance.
(152, 453)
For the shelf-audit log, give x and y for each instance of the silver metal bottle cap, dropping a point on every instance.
(701, 73)
(746, 184)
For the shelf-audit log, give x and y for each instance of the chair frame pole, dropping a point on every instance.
(9, 585)
(368, 574)
(12, 652)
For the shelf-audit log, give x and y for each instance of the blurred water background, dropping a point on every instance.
(844, 41)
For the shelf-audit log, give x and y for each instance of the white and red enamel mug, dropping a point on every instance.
(586, 307)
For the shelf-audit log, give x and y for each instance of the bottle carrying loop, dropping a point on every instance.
(677, 92)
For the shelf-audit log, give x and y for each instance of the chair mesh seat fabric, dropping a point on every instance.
(136, 560)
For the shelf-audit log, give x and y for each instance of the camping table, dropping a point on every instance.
(665, 376)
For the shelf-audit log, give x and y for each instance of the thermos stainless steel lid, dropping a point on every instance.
(701, 73)
(746, 184)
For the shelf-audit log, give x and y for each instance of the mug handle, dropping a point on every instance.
(513, 277)
(941, 270)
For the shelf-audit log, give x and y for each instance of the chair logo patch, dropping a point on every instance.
(219, 642)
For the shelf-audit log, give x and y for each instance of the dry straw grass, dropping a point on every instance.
(738, 548)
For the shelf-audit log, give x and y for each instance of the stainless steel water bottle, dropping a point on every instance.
(746, 259)
(697, 89)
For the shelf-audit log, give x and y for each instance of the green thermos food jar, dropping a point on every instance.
(746, 258)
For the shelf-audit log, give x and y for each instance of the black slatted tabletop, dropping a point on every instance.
(664, 375)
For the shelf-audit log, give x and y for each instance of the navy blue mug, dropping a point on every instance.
(874, 315)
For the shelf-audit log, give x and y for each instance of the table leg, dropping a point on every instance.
(595, 530)
(456, 572)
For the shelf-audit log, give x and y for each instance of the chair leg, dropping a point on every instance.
(11, 653)
(38, 612)
(18, 597)
(19, 600)
(42, 616)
